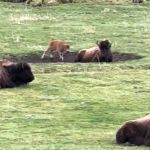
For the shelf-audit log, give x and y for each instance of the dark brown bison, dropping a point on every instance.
(135, 132)
(105, 49)
(57, 46)
(15, 74)
(101, 53)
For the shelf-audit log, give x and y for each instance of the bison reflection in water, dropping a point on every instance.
(15, 74)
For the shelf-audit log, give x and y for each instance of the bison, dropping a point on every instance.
(15, 74)
(135, 132)
(57, 46)
(101, 53)
(88, 55)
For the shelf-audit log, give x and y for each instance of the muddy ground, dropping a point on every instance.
(69, 57)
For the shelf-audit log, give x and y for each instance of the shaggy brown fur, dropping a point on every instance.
(15, 75)
(101, 53)
(89, 55)
(135, 132)
(57, 46)
(105, 48)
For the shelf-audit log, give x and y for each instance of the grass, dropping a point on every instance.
(74, 106)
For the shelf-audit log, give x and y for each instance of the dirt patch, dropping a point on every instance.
(69, 57)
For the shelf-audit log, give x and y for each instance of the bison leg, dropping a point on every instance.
(43, 55)
(60, 55)
(47, 51)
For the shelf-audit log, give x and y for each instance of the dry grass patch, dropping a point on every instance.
(22, 19)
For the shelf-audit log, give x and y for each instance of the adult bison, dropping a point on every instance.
(101, 53)
(15, 74)
(135, 132)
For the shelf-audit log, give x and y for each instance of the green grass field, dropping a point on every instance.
(74, 106)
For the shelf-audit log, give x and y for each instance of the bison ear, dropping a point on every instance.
(25, 65)
(109, 41)
(21, 66)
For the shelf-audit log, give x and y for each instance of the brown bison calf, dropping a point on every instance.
(101, 53)
(15, 74)
(57, 46)
(135, 132)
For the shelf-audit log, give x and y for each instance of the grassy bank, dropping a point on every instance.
(74, 106)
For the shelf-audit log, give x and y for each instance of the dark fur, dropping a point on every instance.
(101, 53)
(137, 1)
(14, 75)
(105, 48)
(135, 132)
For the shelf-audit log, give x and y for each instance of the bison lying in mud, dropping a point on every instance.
(135, 132)
(137, 1)
(15, 74)
(101, 53)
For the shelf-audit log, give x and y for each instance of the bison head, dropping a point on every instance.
(105, 48)
(19, 73)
